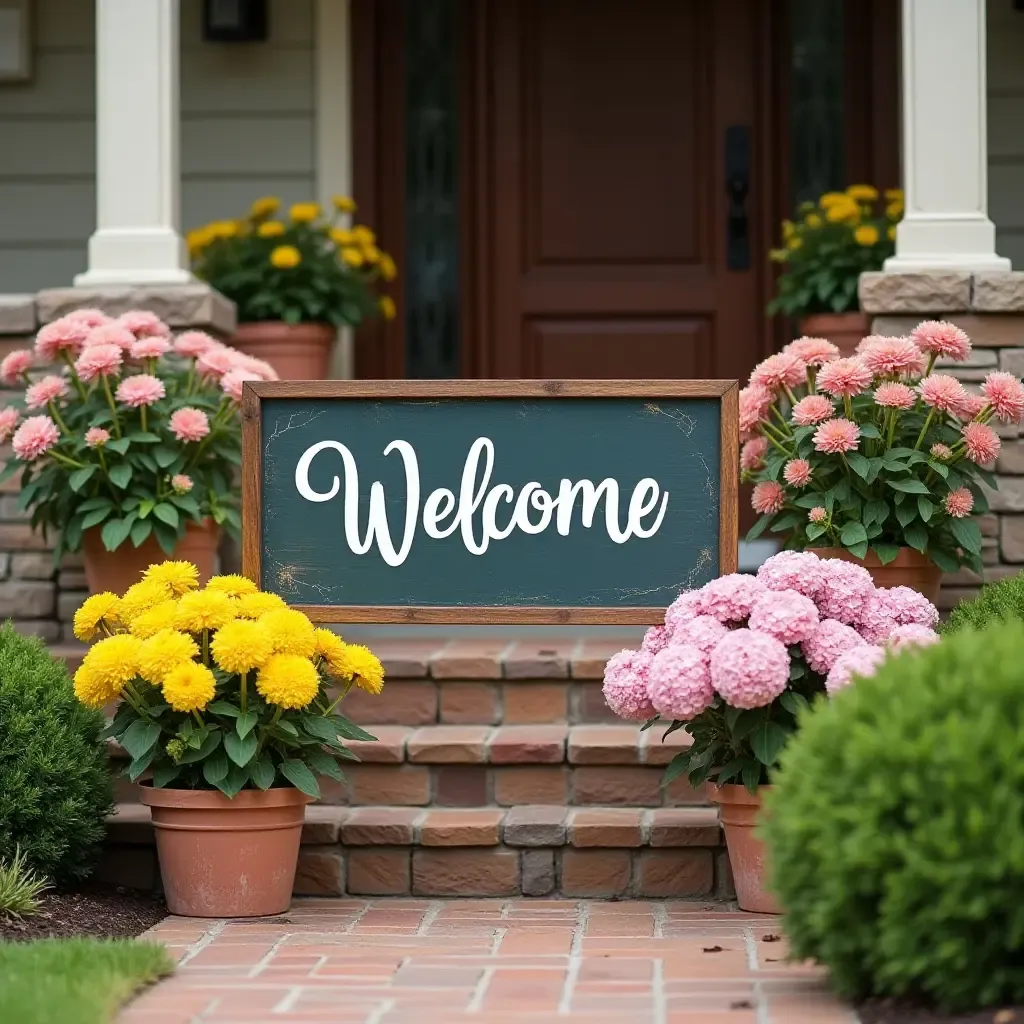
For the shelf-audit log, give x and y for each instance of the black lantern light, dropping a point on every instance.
(235, 21)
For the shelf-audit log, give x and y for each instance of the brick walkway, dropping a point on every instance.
(426, 961)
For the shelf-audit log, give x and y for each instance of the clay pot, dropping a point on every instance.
(227, 858)
(739, 812)
(844, 330)
(117, 570)
(296, 351)
(908, 569)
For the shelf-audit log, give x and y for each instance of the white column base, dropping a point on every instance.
(150, 255)
(943, 241)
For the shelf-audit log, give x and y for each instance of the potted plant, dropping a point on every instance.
(126, 440)
(294, 282)
(876, 457)
(227, 699)
(737, 660)
(823, 253)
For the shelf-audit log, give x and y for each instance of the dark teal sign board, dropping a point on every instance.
(488, 501)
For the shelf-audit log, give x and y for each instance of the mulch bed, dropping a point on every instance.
(98, 911)
(894, 1011)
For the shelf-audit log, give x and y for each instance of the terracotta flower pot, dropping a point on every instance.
(844, 330)
(296, 351)
(908, 569)
(227, 858)
(739, 812)
(117, 570)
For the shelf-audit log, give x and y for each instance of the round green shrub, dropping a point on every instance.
(996, 602)
(55, 788)
(895, 826)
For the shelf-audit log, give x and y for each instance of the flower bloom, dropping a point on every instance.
(194, 343)
(780, 370)
(111, 333)
(846, 589)
(189, 424)
(959, 503)
(9, 417)
(886, 357)
(37, 435)
(860, 661)
(215, 362)
(232, 382)
(288, 681)
(44, 391)
(142, 389)
(284, 257)
(752, 453)
(940, 451)
(908, 607)
(681, 611)
(96, 437)
(823, 647)
(89, 317)
(679, 682)
(768, 497)
(703, 632)
(844, 378)
(971, 405)
(749, 669)
(62, 335)
(625, 685)
(875, 621)
(144, 324)
(188, 686)
(811, 410)
(981, 443)
(793, 570)
(15, 364)
(797, 473)
(91, 614)
(1006, 396)
(755, 401)
(942, 392)
(817, 514)
(181, 483)
(260, 367)
(152, 347)
(240, 646)
(912, 635)
(894, 395)
(812, 351)
(937, 337)
(98, 361)
(786, 615)
(656, 639)
(729, 598)
(839, 435)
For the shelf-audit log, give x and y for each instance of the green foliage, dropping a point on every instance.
(995, 602)
(896, 827)
(20, 887)
(54, 782)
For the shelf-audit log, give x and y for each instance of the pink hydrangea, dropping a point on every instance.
(215, 362)
(846, 589)
(682, 610)
(189, 424)
(194, 343)
(812, 351)
(142, 389)
(152, 347)
(62, 335)
(754, 401)
(811, 410)
(939, 338)
(817, 514)
(860, 661)
(625, 685)
(679, 682)
(913, 635)
(768, 496)
(36, 436)
(9, 417)
(778, 371)
(144, 324)
(703, 632)
(835, 436)
(959, 503)
(786, 615)
(181, 483)
(1006, 396)
(908, 607)
(234, 380)
(942, 392)
(797, 473)
(894, 395)
(730, 598)
(96, 437)
(888, 357)
(752, 453)
(844, 378)
(15, 365)
(941, 451)
(793, 570)
(48, 389)
(749, 669)
(89, 317)
(875, 621)
(656, 639)
(981, 443)
(111, 333)
(823, 647)
(98, 361)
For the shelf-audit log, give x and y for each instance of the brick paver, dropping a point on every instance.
(433, 961)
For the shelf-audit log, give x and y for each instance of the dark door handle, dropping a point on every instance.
(737, 187)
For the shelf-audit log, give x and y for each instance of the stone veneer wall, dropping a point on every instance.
(40, 598)
(990, 308)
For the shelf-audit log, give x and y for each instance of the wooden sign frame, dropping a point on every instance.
(252, 446)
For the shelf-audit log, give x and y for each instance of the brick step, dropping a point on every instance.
(530, 850)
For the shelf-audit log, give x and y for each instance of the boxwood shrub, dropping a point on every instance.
(896, 826)
(995, 602)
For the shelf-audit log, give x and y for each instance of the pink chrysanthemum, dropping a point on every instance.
(49, 389)
(845, 591)
(679, 682)
(189, 424)
(152, 347)
(89, 317)
(834, 436)
(912, 635)
(144, 324)
(749, 669)
(875, 621)
(625, 685)
(37, 435)
(942, 392)
(823, 647)
(142, 389)
(682, 610)
(1006, 396)
(752, 453)
(15, 365)
(860, 662)
(9, 417)
(786, 615)
(940, 451)
(656, 639)
(939, 338)
(215, 362)
(111, 333)
(767, 497)
(908, 607)
(181, 483)
(801, 571)
(780, 370)
(63, 335)
(797, 473)
(981, 443)
(812, 351)
(98, 361)
(96, 437)
(888, 357)
(729, 598)
(703, 632)
(194, 343)
(959, 503)
(894, 395)
(233, 381)
(811, 410)
(755, 401)
(972, 404)
(844, 378)
(260, 367)
(817, 514)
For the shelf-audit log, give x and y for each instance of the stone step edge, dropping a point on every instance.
(532, 826)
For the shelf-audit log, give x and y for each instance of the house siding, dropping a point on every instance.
(1006, 128)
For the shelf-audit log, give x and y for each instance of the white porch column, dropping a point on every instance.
(137, 238)
(945, 150)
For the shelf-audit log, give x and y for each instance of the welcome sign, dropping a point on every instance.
(488, 501)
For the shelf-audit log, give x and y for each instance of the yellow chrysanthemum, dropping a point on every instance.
(189, 686)
(150, 623)
(341, 236)
(100, 609)
(203, 609)
(164, 651)
(232, 584)
(270, 229)
(240, 646)
(284, 257)
(140, 597)
(90, 688)
(255, 606)
(197, 239)
(891, 233)
(352, 256)
(788, 227)
(264, 207)
(363, 235)
(813, 220)
(794, 243)
(893, 195)
(863, 193)
(332, 648)
(847, 210)
(865, 234)
(303, 213)
(344, 204)
(113, 661)
(223, 229)
(371, 254)
(894, 211)
(178, 577)
(365, 667)
(290, 632)
(831, 198)
(387, 267)
(387, 307)
(288, 680)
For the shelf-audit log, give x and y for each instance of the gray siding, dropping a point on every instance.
(1006, 128)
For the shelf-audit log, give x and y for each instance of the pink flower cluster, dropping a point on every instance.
(732, 639)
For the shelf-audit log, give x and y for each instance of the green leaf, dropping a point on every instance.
(119, 445)
(676, 767)
(876, 511)
(145, 507)
(115, 532)
(869, 430)
(350, 730)
(944, 560)
(793, 702)
(164, 456)
(858, 463)
(906, 513)
(141, 529)
(814, 530)
(223, 707)
(967, 534)
(909, 486)
(80, 477)
(262, 772)
(925, 508)
(326, 730)
(853, 533)
(759, 527)
(886, 552)
(143, 437)
(240, 749)
(245, 723)
(139, 737)
(164, 774)
(916, 536)
(10, 469)
(300, 777)
(96, 516)
(766, 741)
(939, 468)
(209, 745)
(166, 514)
(215, 768)
(91, 503)
(323, 764)
(232, 784)
(140, 764)
(121, 475)
(751, 776)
